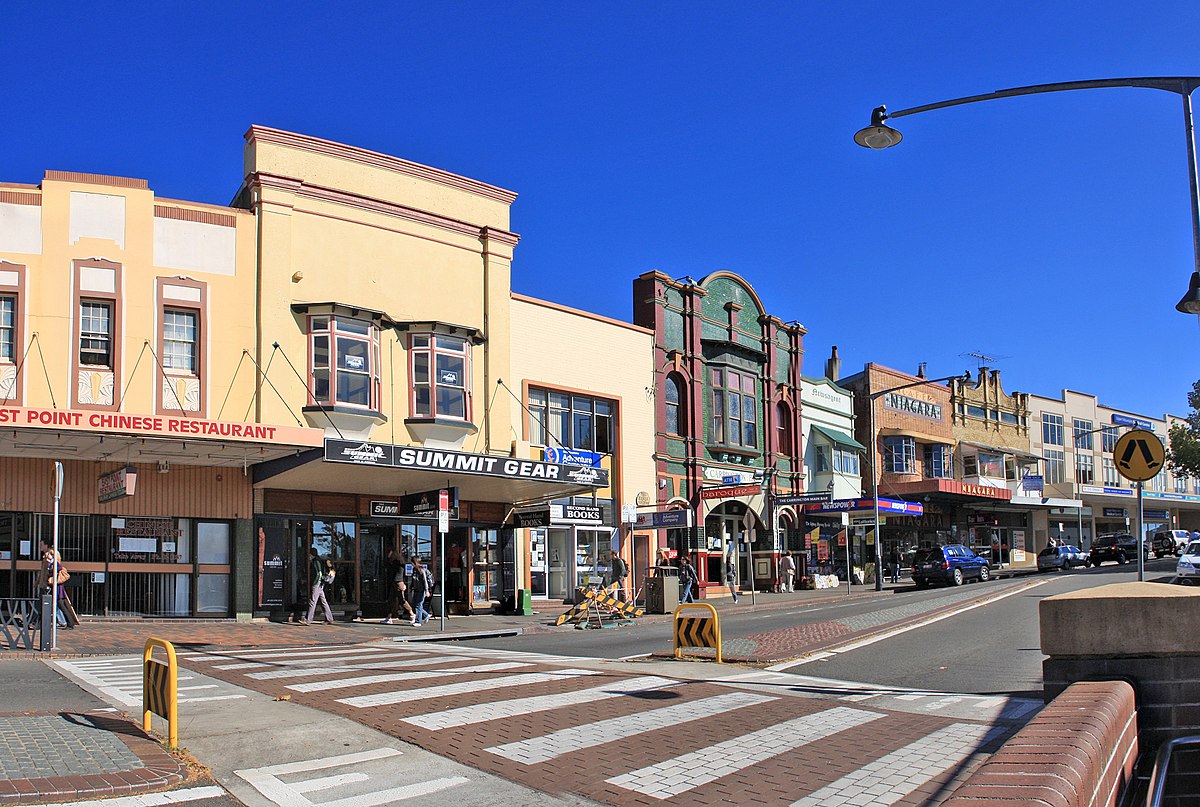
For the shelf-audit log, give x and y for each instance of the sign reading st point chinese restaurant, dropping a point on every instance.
(155, 426)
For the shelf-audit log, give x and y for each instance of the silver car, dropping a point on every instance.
(1061, 558)
(1188, 567)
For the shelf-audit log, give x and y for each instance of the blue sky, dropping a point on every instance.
(1053, 231)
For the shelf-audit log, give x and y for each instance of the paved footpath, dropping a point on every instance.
(582, 730)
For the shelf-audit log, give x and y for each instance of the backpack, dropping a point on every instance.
(687, 574)
(428, 575)
(619, 569)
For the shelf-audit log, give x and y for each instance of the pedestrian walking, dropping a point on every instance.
(420, 591)
(320, 575)
(399, 593)
(894, 564)
(787, 571)
(731, 581)
(687, 579)
(52, 569)
(617, 572)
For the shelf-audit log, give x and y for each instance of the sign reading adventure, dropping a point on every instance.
(433, 459)
(155, 426)
(913, 406)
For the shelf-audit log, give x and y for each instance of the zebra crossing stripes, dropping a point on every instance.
(390, 678)
(481, 713)
(379, 663)
(686, 772)
(303, 658)
(893, 776)
(590, 735)
(119, 679)
(462, 688)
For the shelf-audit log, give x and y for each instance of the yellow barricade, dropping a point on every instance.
(160, 689)
(697, 631)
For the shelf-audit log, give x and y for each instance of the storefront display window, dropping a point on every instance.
(485, 549)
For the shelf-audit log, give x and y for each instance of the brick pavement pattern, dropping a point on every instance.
(44, 757)
(620, 738)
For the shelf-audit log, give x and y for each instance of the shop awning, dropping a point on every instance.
(839, 438)
(1000, 450)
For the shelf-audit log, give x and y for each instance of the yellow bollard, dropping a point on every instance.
(701, 631)
(160, 689)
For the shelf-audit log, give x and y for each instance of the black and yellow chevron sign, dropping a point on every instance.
(156, 688)
(691, 631)
(587, 597)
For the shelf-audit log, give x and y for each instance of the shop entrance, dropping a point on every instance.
(374, 541)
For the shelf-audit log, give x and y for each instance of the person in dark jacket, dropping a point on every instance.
(420, 590)
(687, 579)
(320, 574)
(394, 574)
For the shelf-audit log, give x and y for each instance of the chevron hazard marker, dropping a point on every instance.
(697, 631)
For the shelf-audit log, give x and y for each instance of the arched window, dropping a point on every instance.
(676, 418)
(783, 429)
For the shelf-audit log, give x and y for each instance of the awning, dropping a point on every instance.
(839, 438)
(1000, 450)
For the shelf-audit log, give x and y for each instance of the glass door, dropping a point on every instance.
(374, 541)
(559, 574)
(538, 583)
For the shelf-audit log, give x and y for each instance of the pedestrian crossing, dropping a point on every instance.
(119, 678)
(610, 734)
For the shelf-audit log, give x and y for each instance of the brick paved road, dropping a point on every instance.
(629, 734)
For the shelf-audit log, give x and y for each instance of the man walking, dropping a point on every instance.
(320, 573)
(617, 571)
(687, 579)
(787, 570)
(422, 589)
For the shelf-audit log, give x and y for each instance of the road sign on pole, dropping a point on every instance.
(443, 528)
(1139, 455)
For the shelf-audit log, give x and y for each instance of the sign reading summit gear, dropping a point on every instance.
(431, 459)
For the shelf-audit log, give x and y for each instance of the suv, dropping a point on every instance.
(1120, 547)
(950, 564)
(1169, 542)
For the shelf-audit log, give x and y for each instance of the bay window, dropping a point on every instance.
(937, 461)
(734, 408)
(899, 455)
(344, 358)
(440, 371)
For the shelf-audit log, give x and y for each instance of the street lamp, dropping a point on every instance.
(871, 398)
(881, 136)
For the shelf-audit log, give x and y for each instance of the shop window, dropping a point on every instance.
(95, 334)
(673, 400)
(416, 541)
(1084, 468)
(440, 369)
(783, 429)
(344, 361)
(485, 547)
(580, 422)
(1082, 433)
(1055, 466)
(179, 341)
(734, 408)
(899, 455)
(937, 461)
(1110, 436)
(1052, 429)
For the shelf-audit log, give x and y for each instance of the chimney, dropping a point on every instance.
(921, 369)
(833, 365)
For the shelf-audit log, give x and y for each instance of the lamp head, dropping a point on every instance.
(1190, 302)
(878, 135)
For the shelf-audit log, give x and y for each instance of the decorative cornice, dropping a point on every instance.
(317, 145)
(12, 198)
(200, 216)
(97, 179)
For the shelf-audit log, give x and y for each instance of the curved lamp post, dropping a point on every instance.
(881, 136)
(871, 398)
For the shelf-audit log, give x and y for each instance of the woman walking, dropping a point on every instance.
(52, 569)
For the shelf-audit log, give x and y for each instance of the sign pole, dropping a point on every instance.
(1141, 533)
(57, 484)
(443, 528)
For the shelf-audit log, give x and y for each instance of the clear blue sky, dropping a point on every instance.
(1053, 231)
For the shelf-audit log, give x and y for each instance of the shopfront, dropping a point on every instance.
(569, 545)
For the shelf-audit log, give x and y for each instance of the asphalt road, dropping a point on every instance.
(990, 649)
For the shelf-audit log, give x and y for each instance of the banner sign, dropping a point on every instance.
(726, 493)
(531, 517)
(156, 426)
(576, 514)
(117, 484)
(885, 506)
(272, 546)
(431, 459)
(804, 498)
(1137, 423)
(427, 503)
(912, 406)
(571, 456)
(663, 519)
(1162, 515)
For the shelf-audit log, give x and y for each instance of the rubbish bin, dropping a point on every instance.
(662, 591)
(435, 605)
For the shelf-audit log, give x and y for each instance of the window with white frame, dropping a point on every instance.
(1111, 477)
(95, 334)
(1159, 482)
(938, 461)
(440, 372)
(560, 420)
(344, 359)
(179, 340)
(1052, 429)
(8, 329)
(1181, 484)
(1083, 433)
(845, 462)
(1055, 466)
(734, 408)
(900, 455)
(1109, 437)
(1084, 468)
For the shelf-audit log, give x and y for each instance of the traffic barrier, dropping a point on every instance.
(588, 600)
(160, 689)
(697, 631)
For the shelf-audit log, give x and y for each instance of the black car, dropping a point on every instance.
(1119, 547)
(950, 564)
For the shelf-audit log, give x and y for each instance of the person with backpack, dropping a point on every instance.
(687, 579)
(421, 590)
(617, 572)
(320, 575)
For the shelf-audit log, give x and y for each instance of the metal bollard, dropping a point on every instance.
(45, 627)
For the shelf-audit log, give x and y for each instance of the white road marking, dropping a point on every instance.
(387, 678)
(590, 735)
(461, 688)
(289, 659)
(895, 775)
(683, 773)
(382, 663)
(147, 799)
(326, 782)
(481, 713)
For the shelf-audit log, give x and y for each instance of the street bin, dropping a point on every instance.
(435, 605)
(662, 590)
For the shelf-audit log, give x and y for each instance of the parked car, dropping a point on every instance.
(1169, 542)
(1120, 547)
(1062, 558)
(1188, 567)
(950, 564)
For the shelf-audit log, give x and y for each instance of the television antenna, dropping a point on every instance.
(982, 359)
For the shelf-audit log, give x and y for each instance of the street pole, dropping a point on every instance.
(1141, 535)
(58, 491)
(874, 490)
